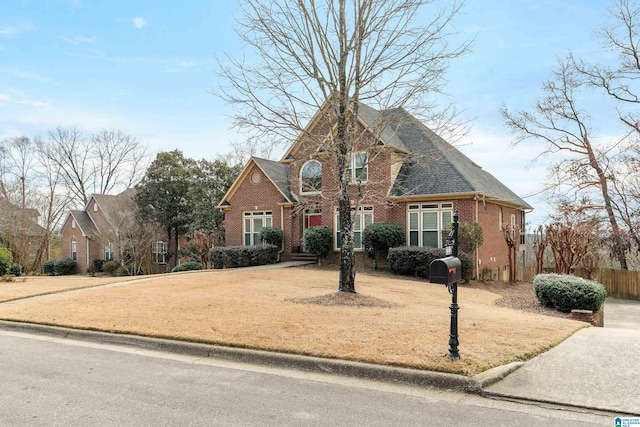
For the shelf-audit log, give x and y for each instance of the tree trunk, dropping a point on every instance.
(618, 249)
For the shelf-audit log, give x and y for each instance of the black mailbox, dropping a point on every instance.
(445, 271)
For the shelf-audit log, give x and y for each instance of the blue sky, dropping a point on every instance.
(146, 67)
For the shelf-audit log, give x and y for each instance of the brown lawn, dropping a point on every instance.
(391, 321)
(28, 286)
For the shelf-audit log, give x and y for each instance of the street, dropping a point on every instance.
(54, 382)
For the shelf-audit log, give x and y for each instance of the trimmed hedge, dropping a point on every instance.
(187, 266)
(412, 260)
(415, 260)
(243, 256)
(566, 293)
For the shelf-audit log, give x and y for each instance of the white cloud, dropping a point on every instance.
(139, 22)
(14, 30)
(37, 104)
(4, 98)
(78, 40)
(29, 75)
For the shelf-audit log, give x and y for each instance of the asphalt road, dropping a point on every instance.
(52, 382)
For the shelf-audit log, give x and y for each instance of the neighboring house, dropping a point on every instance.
(103, 230)
(414, 179)
(21, 233)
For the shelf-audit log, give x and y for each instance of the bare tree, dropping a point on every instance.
(120, 160)
(540, 243)
(322, 59)
(511, 234)
(557, 119)
(105, 162)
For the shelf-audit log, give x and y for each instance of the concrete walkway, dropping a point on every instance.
(595, 368)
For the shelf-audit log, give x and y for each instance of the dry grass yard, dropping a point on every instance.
(28, 286)
(390, 321)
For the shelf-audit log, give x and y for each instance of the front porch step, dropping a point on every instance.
(303, 256)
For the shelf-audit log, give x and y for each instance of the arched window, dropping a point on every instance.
(311, 177)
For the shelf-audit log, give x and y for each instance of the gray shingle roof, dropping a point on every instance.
(278, 173)
(84, 223)
(434, 166)
(113, 205)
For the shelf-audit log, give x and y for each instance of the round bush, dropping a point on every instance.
(378, 237)
(97, 264)
(110, 267)
(566, 293)
(49, 267)
(15, 270)
(272, 236)
(64, 267)
(187, 266)
(318, 240)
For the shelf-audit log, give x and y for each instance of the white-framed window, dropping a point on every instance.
(159, 252)
(428, 223)
(108, 251)
(73, 223)
(359, 167)
(74, 250)
(361, 218)
(253, 223)
(311, 177)
(95, 207)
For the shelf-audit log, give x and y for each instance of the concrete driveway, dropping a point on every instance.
(595, 368)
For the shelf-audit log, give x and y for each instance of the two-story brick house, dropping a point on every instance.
(99, 231)
(411, 176)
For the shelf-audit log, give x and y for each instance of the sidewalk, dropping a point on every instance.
(595, 368)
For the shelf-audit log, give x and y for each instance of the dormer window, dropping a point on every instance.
(311, 177)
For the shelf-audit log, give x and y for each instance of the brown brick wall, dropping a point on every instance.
(252, 197)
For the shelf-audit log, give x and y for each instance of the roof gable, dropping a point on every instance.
(276, 172)
(437, 167)
(83, 223)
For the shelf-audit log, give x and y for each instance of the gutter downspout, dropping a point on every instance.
(281, 251)
(87, 262)
(476, 258)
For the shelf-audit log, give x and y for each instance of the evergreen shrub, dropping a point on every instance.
(378, 237)
(415, 260)
(565, 292)
(318, 241)
(187, 266)
(64, 267)
(272, 236)
(110, 267)
(243, 256)
(49, 267)
(6, 259)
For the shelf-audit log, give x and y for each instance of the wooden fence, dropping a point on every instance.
(618, 283)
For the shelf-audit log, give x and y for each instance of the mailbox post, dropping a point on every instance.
(448, 271)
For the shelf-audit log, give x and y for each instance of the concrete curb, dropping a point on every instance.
(492, 376)
(283, 360)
